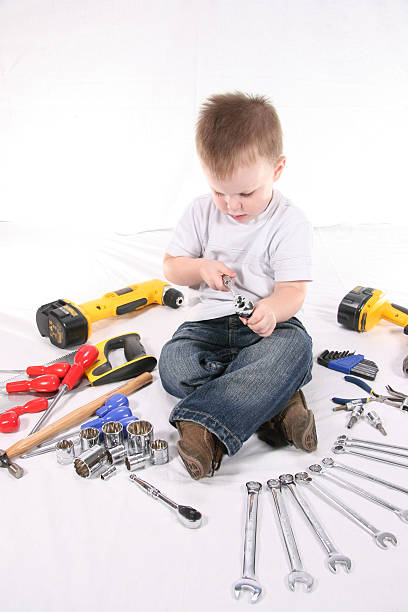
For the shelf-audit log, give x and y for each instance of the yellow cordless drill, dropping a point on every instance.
(363, 307)
(67, 324)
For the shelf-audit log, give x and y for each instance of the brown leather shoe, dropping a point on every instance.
(294, 425)
(200, 451)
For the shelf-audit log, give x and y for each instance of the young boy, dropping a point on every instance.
(235, 376)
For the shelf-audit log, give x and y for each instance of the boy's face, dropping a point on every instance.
(247, 193)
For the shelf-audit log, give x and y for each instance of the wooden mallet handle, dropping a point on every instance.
(76, 416)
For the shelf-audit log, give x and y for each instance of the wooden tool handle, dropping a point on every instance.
(76, 416)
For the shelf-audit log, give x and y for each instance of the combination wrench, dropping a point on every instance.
(316, 468)
(248, 582)
(297, 573)
(333, 555)
(381, 537)
(367, 443)
(340, 449)
(329, 463)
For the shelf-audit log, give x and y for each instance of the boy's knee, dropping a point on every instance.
(168, 369)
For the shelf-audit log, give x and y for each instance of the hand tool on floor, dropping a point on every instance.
(363, 307)
(356, 415)
(188, 516)
(340, 449)
(374, 420)
(243, 306)
(317, 469)
(328, 462)
(14, 469)
(348, 363)
(85, 356)
(369, 443)
(59, 369)
(297, 573)
(380, 537)
(68, 324)
(248, 582)
(115, 408)
(72, 418)
(42, 384)
(334, 557)
(10, 420)
(373, 396)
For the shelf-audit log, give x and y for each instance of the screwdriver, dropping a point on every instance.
(84, 357)
(41, 384)
(10, 419)
(59, 369)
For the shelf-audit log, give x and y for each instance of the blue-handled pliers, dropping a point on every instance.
(373, 396)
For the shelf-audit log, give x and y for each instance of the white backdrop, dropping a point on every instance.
(98, 100)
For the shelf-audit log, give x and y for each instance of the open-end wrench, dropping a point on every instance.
(297, 573)
(346, 484)
(352, 441)
(340, 449)
(334, 556)
(248, 582)
(328, 462)
(380, 537)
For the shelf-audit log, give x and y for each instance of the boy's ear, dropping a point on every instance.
(279, 166)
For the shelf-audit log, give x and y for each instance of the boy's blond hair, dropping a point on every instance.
(234, 129)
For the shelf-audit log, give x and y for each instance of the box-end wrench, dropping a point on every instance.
(297, 573)
(341, 449)
(352, 441)
(189, 517)
(380, 537)
(248, 582)
(334, 556)
(346, 484)
(328, 462)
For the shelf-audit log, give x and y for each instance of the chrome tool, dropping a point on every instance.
(329, 463)
(243, 306)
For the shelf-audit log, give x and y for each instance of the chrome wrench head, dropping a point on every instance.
(316, 468)
(335, 558)
(403, 515)
(248, 584)
(382, 537)
(300, 576)
(339, 449)
(328, 462)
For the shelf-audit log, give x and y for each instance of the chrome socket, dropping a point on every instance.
(91, 462)
(108, 473)
(89, 437)
(65, 452)
(116, 454)
(140, 437)
(136, 462)
(113, 434)
(159, 452)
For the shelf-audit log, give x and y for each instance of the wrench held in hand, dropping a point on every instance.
(346, 484)
(248, 582)
(333, 555)
(381, 537)
(297, 573)
(329, 463)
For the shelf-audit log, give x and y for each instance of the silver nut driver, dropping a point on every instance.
(189, 517)
(248, 582)
(346, 484)
(334, 556)
(297, 573)
(329, 463)
(341, 449)
(380, 537)
(346, 440)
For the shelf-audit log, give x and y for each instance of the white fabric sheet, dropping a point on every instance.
(73, 544)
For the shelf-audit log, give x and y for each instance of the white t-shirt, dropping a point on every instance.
(274, 247)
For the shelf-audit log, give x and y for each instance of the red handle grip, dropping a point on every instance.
(59, 369)
(35, 405)
(84, 357)
(48, 382)
(9, 422)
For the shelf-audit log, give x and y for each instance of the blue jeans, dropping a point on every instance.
(229, 379)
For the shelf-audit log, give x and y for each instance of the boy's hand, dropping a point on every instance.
(212, 271)
(263, 319)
